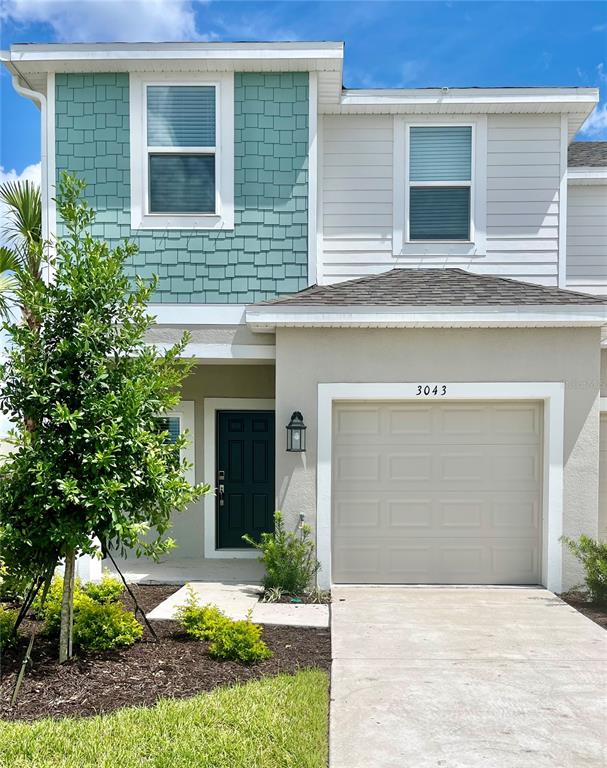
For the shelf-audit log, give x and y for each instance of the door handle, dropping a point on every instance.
(220, 493)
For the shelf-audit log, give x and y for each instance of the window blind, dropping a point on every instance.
(182, 183)
(181, 115)
(439, 213)
(170, 424)
(440, 153)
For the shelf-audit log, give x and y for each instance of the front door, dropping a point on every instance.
(245, 476)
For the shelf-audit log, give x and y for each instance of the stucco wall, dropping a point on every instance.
(255, 381)
(306, 357)
(267, 252)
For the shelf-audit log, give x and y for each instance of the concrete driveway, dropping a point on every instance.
(465, 677)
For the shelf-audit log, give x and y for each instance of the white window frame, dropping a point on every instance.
(477, 244)
(223, 217)
(185, 413)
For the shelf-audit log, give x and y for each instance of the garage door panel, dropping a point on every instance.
(437, 511)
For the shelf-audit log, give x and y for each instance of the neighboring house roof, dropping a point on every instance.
(587, 154)
(404, 287)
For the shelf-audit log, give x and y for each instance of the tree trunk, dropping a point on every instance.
(67, 607)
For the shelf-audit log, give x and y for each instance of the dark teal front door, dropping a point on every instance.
(245, 469)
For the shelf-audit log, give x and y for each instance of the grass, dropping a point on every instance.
(277, 722)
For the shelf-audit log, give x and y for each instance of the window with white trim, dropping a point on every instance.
(174, 423)
(440, 187)
(182, 152)
(440, 182)
(181, 148)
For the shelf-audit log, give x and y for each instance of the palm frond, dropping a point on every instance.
(9, 260)
(8, 286)
(24, 211)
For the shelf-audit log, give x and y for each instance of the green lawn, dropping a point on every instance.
(272, 723)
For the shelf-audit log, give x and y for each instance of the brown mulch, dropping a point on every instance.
(596, 613)
(176, 667)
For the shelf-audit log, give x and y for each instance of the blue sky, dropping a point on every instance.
(387, 43)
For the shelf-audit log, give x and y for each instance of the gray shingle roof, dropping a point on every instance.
(587, 154)
(432, 287)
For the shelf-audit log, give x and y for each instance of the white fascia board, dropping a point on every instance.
(326, 54)
(265, 319)
(478, 96)
(587, 175)
(198, 314)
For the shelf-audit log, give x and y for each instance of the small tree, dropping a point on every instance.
(84, 392)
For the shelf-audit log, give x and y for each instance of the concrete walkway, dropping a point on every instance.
(464, 678)
(236, 600)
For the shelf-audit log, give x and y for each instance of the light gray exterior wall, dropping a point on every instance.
(306, 357)
(587, 237)
(356, 210)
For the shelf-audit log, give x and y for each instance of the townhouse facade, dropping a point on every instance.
(418, 277)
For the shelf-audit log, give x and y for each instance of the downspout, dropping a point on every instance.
(40, 99)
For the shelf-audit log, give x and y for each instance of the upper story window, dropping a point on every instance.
(440, 187)
(181, 148)
(182, 152)
(440, 180)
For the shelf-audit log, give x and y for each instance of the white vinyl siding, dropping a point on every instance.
(587, 237)
(522, 200)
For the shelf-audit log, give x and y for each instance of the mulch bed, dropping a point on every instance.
(596, 613)
(141, 675)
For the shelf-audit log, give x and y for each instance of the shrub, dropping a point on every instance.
(104, 626)
(288, 557)
(593, 556)
(50, 612)
(238, 641)
(228, 639)
(199, 621)
(8, 617)
(108, 590)
(12, 586)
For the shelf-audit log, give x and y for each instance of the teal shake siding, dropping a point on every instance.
(267, 252)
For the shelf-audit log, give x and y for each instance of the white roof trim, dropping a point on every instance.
(266, 319)
(328, 51)
(587, 175)
(469, 95)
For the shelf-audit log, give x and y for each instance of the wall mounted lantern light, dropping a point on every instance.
(296, 433)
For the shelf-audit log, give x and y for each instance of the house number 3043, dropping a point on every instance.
(431, 389)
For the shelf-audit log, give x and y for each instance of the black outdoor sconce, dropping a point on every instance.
(296, 433)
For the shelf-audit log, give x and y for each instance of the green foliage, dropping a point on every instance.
(238, 641)
(104, 626)
(12, 586)
(593, 556)
(228, 639)
(100, 622)
(50, 612)
(288, 557)
(199, 621)
(23, 253)
(84, 391)
(8, 617)
(108, 590)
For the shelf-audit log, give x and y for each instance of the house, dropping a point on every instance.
(415, 274)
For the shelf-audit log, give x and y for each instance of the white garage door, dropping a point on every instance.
(445, 493)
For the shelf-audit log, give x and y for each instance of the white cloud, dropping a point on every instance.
(108, 20)
(595, 126)
(30, 173)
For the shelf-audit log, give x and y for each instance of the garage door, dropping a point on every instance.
(445, 493)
